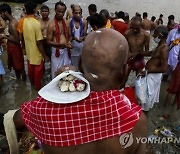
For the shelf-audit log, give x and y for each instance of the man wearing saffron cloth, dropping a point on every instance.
(93, 125)
(32, 39)
(78, 27)
(58, 37)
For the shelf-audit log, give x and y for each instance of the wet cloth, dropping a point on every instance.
(35, 73)
(31, 29)
(137, 63)
(120, 25)
(174, 49)
(15, 57)
(11, 132)
(100, 116)
(57, 62)
(153, 90)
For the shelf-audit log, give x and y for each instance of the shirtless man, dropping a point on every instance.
(58, 37)
(156, 66)
(138, 41)
(78, 27)
(69, 13)
(106, 61)
(14, 50)
(45, 20)
(146, 23)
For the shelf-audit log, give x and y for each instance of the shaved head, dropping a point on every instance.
(104, 55)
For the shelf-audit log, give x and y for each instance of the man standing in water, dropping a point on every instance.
(138, 40)
(146, 23)
(156, 66)
(32, 39)
(58, 37)
(14, 50)
(78, 27)
(45, 20)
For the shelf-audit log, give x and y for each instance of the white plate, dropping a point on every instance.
(52, 93)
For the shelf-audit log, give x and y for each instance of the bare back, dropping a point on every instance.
(146, 24)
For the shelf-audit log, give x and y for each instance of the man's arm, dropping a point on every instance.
(2, 24)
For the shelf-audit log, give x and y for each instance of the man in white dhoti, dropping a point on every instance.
(58, 38)
(155, 67)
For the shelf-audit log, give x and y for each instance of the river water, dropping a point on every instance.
(153, 7)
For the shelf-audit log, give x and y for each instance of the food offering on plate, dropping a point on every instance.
(71, 83)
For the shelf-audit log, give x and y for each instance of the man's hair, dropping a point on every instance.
(171, 17)
(44, 7)
(73, 8)
(145, 14)
(138, 14)
(162, 30)
(153, 18)
(60, 3)
(30, 6)
(92, 7)
(161, 15)
(5, 8)
(136, 19)
(97, 20)
(121, 15)
(105, 13)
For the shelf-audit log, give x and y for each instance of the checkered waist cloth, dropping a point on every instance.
(100, 116)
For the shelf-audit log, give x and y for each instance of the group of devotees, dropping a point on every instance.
(105, 49)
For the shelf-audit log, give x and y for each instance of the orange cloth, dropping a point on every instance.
(108, 24)
(21, 22)
(176, 41)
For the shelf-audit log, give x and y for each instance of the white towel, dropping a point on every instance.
(11, 132)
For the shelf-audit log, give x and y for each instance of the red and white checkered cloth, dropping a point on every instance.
(101, 115)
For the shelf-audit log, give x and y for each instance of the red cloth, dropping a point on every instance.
(35, 73)
(130, 94)
(100, 116)
(119, 26)
(15, 57)
(136, 63)
(66, 34)
(174, 86)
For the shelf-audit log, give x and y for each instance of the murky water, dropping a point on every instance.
(153, 7)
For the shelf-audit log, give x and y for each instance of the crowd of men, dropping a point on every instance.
(110, 48)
